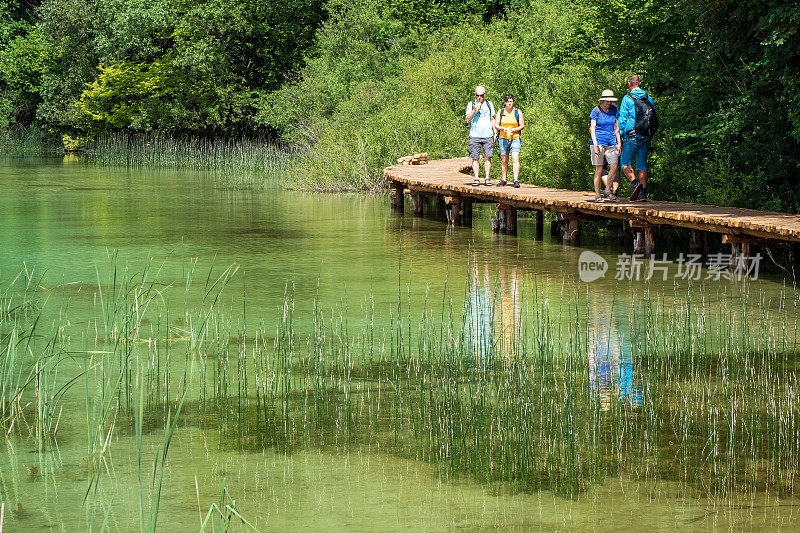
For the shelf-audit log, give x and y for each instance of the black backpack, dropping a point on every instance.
(646, 117)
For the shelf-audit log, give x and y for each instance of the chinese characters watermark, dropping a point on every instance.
(633, 267)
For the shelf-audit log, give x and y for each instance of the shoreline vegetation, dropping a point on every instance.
(358, 84)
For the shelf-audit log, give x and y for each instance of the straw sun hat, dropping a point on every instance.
(607, 96)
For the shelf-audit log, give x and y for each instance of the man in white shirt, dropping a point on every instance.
(480, 115)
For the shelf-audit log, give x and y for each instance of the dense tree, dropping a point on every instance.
(725, 76)
(180, 65)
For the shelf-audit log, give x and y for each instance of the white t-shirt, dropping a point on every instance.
(481, 123)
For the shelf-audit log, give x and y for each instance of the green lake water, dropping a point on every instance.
(89, 236)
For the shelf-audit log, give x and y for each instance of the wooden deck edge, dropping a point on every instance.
(653, 213)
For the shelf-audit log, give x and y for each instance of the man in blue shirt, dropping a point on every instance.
(480, 115)
(634, 145)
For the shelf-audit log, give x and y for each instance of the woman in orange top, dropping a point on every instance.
(509, 123)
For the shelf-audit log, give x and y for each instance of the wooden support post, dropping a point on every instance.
(571, 229)
(638, 242)
(511, 221)
(456, 209)
(794, 260)
(624, 235)
(699, 242)
(508, 219)
(440, 203)
(696, 242)
(466, 210)
(740, 251)
(539, 224)
(555, 227)
(644, 241)
(397, 198)
(649, 241)
(419, 202)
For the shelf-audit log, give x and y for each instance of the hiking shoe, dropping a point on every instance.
(476, 183)
(488, 182)
(516, 185)
(642, 197)
(612, 197)
(636, 189)
(502, 183)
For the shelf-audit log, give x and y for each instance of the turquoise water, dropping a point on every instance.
(78, 231)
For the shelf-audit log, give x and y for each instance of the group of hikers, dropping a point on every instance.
(618, 137)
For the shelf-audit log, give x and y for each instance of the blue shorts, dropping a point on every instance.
(635, 148)
(505, 146)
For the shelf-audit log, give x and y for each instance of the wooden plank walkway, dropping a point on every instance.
(447, 177)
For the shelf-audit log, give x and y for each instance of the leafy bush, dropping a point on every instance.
(390, 101)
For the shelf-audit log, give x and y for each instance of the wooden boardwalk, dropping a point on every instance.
(452, 179)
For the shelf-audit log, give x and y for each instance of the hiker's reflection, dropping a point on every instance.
(493, 312)
(611, 369)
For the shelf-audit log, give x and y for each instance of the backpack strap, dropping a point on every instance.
(516, 114)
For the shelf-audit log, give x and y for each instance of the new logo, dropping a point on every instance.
(591, 266)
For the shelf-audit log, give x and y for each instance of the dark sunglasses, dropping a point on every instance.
(476, 94)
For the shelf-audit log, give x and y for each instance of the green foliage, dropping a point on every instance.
(16, 18)
(359, 83)
(73, 144)
(420, 15)
(211, 61)
(70, 28)
(724, 77)
(413, 99)
(22, 63)
(132, 95)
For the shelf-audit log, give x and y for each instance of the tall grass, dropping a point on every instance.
(708, 399)
(20, 142)
(29, 359)
(693, 395)
(242, 162)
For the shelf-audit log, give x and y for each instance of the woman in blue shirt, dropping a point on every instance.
(605, 143)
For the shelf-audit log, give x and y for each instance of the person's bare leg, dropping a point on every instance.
(628, 171)
(504, 166)
(598, 179)
(612, 184)
(515, 163)
(475, 167)
(643, 178)
(487, 166)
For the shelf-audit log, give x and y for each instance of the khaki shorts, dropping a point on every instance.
(610, 153)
